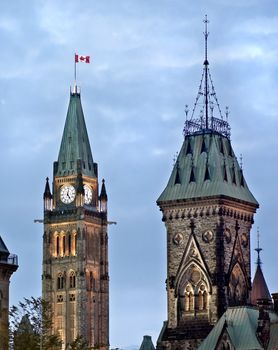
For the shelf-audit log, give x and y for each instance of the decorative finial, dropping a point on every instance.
(241, 161)
(206, 69)
(206, 34)
(227, 112)
(258, 249)
(186, 110)
(210, 117)
(175, 158)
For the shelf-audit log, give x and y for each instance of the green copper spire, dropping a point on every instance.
(207, 171)
(75, 156)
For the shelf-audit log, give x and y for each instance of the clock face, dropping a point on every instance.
(67, 194)
(88, 194)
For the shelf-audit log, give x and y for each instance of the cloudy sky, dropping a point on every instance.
(146, 65)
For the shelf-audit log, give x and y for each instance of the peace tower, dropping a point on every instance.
(75, 277)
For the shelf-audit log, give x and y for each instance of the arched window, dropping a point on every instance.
(205, 300)
(64, 245)
(57, 246)
(60, 281)
(200, 301)
(74, 248)
(189, 298)
(72, 280)
(202, 297)
(69, 243)
(237, 287)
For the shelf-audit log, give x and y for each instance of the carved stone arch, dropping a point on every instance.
(237, 286)
(188, 273)
(192, 292)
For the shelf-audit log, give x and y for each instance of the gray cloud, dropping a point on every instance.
(146, 65)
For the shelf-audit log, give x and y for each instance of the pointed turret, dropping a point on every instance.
(103, 198)
(147, 343)
(260, 294)
(47, 196)
(75, 154)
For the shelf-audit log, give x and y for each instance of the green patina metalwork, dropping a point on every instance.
(206, 167)
(241, 324)
(75, 155)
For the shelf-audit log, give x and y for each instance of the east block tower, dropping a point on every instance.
(208, 212)
(75, 252)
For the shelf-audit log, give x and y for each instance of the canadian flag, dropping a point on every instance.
(80, 58)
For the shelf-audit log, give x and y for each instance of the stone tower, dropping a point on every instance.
(208, 212)
(8, 265)
(75, 243)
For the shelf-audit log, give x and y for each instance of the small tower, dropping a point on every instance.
(75, 277)
(103, 198)
(260, 295)
(208, 211)
(8, 265)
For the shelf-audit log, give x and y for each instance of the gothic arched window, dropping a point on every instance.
(202, 297)
(189, 298)
(57, 246)
(69, 243)
(64, 245)
(72, 279)
(237, 287)
(60, 281)
(74, 243)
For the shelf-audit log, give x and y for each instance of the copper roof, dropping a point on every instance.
(260, 290)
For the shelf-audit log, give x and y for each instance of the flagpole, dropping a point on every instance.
(75, 88)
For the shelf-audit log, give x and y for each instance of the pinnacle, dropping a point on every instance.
(75, 154)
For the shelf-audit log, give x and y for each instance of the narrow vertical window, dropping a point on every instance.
(191, 301)
(64, 245)
(200, 301)
(75, 243)
(72, 280)
(205, 300)
(57, 245)
(187, 299)
(60, 281)
(69, 243)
